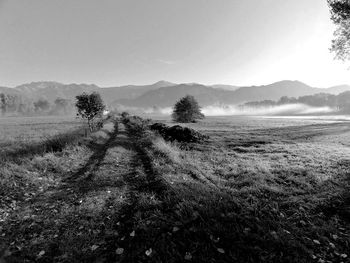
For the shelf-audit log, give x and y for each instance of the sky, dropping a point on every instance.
(119, 42)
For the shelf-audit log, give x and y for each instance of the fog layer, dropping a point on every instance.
(287, 109)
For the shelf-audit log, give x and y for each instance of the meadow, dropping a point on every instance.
(258, 190)
(21, 136)
(22, 129)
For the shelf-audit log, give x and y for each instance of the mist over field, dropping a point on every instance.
(232, 110)
(288, 109)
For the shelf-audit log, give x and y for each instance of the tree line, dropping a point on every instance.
(340, 102)
(16, 105)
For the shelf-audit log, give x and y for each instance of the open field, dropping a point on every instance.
(259, 190)
(27, 136)
(28, 129)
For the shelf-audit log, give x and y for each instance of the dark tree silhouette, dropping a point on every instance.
(3, 103)
(90, 107)
(187, 110)
(62, 104)
(41, 105)
(340, 15)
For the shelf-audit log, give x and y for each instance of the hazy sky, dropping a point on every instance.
(115, 42)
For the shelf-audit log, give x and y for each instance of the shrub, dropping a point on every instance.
(178, 133)
(136, 125)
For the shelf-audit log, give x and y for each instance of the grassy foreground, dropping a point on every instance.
(126, 195)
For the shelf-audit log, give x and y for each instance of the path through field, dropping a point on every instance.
(126, 195)
(91, 210)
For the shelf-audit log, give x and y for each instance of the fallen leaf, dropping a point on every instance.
(193, 229)
(148, 252)
(119, 250)
(216, 240)
(175, 229)
(188, 256)
(274, 234)
(221, 250)
(132, 234)
(286, 231)
(94, 247)
(41, 253)
(316, 242)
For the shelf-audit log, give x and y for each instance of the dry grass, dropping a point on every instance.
(21, 137)
(259, 194)
(273, 193)
(29, 129)
(34, 153)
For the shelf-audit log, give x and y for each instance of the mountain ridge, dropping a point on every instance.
(164, 93)
(206, 95)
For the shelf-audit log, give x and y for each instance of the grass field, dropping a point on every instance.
(29, 129)
(27, 136)
(259, 190)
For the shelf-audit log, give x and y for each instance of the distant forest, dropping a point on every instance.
(339, 102)
(17, 105)
(12, 104)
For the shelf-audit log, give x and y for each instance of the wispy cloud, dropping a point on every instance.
(166, 61)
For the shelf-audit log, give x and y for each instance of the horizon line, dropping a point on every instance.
(170, 82)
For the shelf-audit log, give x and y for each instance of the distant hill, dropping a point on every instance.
(7, 90)
(165, 94)
(165, 97)
(337, 89)
(131, 91)
(273, 91)
(225, 87)
(51, 90)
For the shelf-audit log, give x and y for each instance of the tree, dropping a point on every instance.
(344, 102)
(41, 105)
(187, 110)
(90, 107)
(3, 103)
(340, 15)
(61, 105)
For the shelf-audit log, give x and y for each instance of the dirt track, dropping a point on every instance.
(96, 202)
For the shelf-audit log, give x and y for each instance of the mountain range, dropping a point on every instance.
(165, 94)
